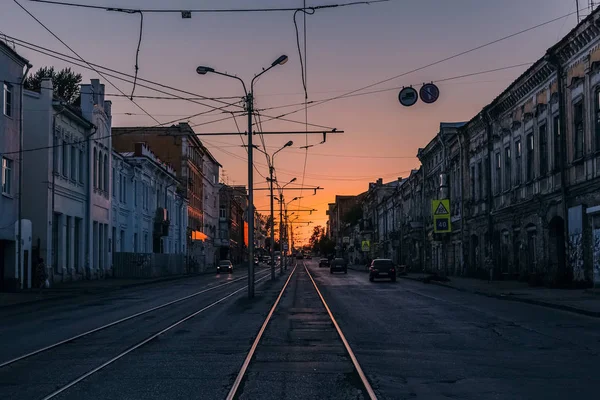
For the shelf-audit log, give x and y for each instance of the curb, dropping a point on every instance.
(574, 310)
(102, 291)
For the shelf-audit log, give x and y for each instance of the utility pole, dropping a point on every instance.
(272, 224)
(281, 233)
(250, 211)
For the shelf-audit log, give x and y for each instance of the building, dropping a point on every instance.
(149, 215)
(56, 193)
(233, 229)
(210, 207)
(99, 250)
(179, 147)
(13, 70)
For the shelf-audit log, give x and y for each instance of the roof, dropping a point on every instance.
(452, 125)
(13, 53)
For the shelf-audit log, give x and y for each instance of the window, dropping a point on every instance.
(65, 157)
(55, 152)
(81, 166)
(507, 168)
(114, 182)
(124, 183)
(480, 178)
(135, 242)
(100, 172)
(105, 172)
(556, 144)
(145, 243)
(122, 241)
(8, 99)
(73, 162)
(597, 119)
(578, 130)
(498, 173)
(472, 182)
(518, 161)
(222, 213)
(7, 167)
(95, 169)
(135, 193)
(530, 157)
(543, 149)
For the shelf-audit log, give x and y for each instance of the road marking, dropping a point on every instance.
(240, 376)
(143, 342)
(362, 375)
(100, 328)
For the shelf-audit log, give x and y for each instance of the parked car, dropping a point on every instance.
(255, 260)
(338, 264)
(323, 262)
(225, 265)
(382, 268)
(309, 256)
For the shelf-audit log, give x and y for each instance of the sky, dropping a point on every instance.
(347, 48)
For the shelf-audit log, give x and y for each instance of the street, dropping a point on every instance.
(411, 340)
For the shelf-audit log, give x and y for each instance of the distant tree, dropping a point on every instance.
(65, 82)
(326, 245)
(318, 232)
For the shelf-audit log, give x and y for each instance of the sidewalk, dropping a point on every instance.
(580, 301)
(78, 288)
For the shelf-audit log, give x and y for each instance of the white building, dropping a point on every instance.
(56, 191)
(210, 205)
(12, 73)
(95, 109)
(148, 215)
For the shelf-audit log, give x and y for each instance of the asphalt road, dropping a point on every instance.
(412, 340)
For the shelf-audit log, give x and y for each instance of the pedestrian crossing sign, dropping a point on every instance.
(441, 216)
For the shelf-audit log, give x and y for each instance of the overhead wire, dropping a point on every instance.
(214, 10)
(82, 59)
(456, 55)
(137, 53)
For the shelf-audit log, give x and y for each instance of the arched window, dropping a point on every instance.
(105, 173)
(95, 168)
(100, 172)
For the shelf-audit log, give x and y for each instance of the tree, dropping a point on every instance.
(65, 82)
(318, 232)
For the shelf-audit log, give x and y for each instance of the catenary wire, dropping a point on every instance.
(82, 59)
(462, 53)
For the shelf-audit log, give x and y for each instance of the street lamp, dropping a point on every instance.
(271, 163)
(203, 70)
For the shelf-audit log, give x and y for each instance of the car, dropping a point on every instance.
(323, 262)
(338, 264)
(309, 256)
(299, 256)
(255, 260)
(225, 265)
(382, 268)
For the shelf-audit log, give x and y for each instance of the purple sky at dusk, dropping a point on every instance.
(348, 48)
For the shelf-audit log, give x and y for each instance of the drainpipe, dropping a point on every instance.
(54, 172)
(88, 206)
(553, 59)
(488, 177)
(443, 193)
(462, 204)
(20, 211)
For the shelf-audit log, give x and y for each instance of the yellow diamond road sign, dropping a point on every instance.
(441, 216)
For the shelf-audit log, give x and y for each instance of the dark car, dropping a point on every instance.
(382, 268)
(338, 264)
(225, 265)
(299, 256)
(323, 262)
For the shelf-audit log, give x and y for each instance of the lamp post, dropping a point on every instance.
(201, 70)
(281, 229)
(270, 161)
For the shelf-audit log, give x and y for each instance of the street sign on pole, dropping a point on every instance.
(366, 246)
(429, 93)
(346, 240)
(408, 96)
(441, 216)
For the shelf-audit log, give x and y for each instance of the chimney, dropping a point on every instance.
(108, 108)
(380, 181)
(47, 90)
(399, 179)
(95, 90)
(138, 149)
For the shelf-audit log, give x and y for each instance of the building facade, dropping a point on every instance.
(56, 197)
(13, 69)
(232, 227)
(210, 204)
(179, 147)
(149, 215)
(96, 109)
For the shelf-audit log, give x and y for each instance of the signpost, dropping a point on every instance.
(366, 246)
(441, 216)
(408, 96)
(346, 240)
(429, 93)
